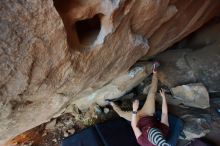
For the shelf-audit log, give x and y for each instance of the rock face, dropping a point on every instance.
(115, 89)
(190, 95)
(51, 51)
(196, 61)
(194, 95)
(198, 122)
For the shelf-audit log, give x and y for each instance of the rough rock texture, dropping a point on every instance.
(115, 89)
(190, 95)
(194, 95)
(198, 122)
(46, 61)
(197, 60)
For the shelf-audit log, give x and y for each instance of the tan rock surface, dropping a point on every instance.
(194, 95)
(115, 89)
(40, 72)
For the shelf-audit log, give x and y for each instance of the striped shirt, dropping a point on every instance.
(156, 137)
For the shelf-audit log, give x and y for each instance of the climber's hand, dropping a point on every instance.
(162, 93)
(135, 105)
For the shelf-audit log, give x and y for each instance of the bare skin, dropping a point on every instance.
(164, 115)
(148, 108)
(134, 120)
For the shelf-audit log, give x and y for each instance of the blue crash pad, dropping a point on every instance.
(117, 132)
(87, 137)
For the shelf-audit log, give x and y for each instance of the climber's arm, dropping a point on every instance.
(136, 130)
(134, 121)
(164, 115)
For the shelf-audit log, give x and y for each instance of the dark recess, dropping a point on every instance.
(88, 29)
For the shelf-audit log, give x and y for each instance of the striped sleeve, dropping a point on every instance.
(156, 138)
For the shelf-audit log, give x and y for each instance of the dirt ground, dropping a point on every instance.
(52, 133)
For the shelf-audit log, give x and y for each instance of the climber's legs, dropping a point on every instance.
(149, 106)
(124, 114)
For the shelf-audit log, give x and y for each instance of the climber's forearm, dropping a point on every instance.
(134, 120)
(136, 130)
(164, 106)
(164, 115)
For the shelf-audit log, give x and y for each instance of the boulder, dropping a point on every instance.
(52, 51)
(174, 69)
(205, 64)
(195, 127)
(197, 62)
(199, 122)
(115, 89)
(194, 95)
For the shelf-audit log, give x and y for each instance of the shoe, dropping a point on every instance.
(155, 65)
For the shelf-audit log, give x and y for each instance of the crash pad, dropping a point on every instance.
(118, 132)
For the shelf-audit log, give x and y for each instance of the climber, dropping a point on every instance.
(147, 129)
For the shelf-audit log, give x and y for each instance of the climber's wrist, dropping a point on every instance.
(134, 112)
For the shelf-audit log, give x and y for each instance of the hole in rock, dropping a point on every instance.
(87, 30)
(82, 31)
